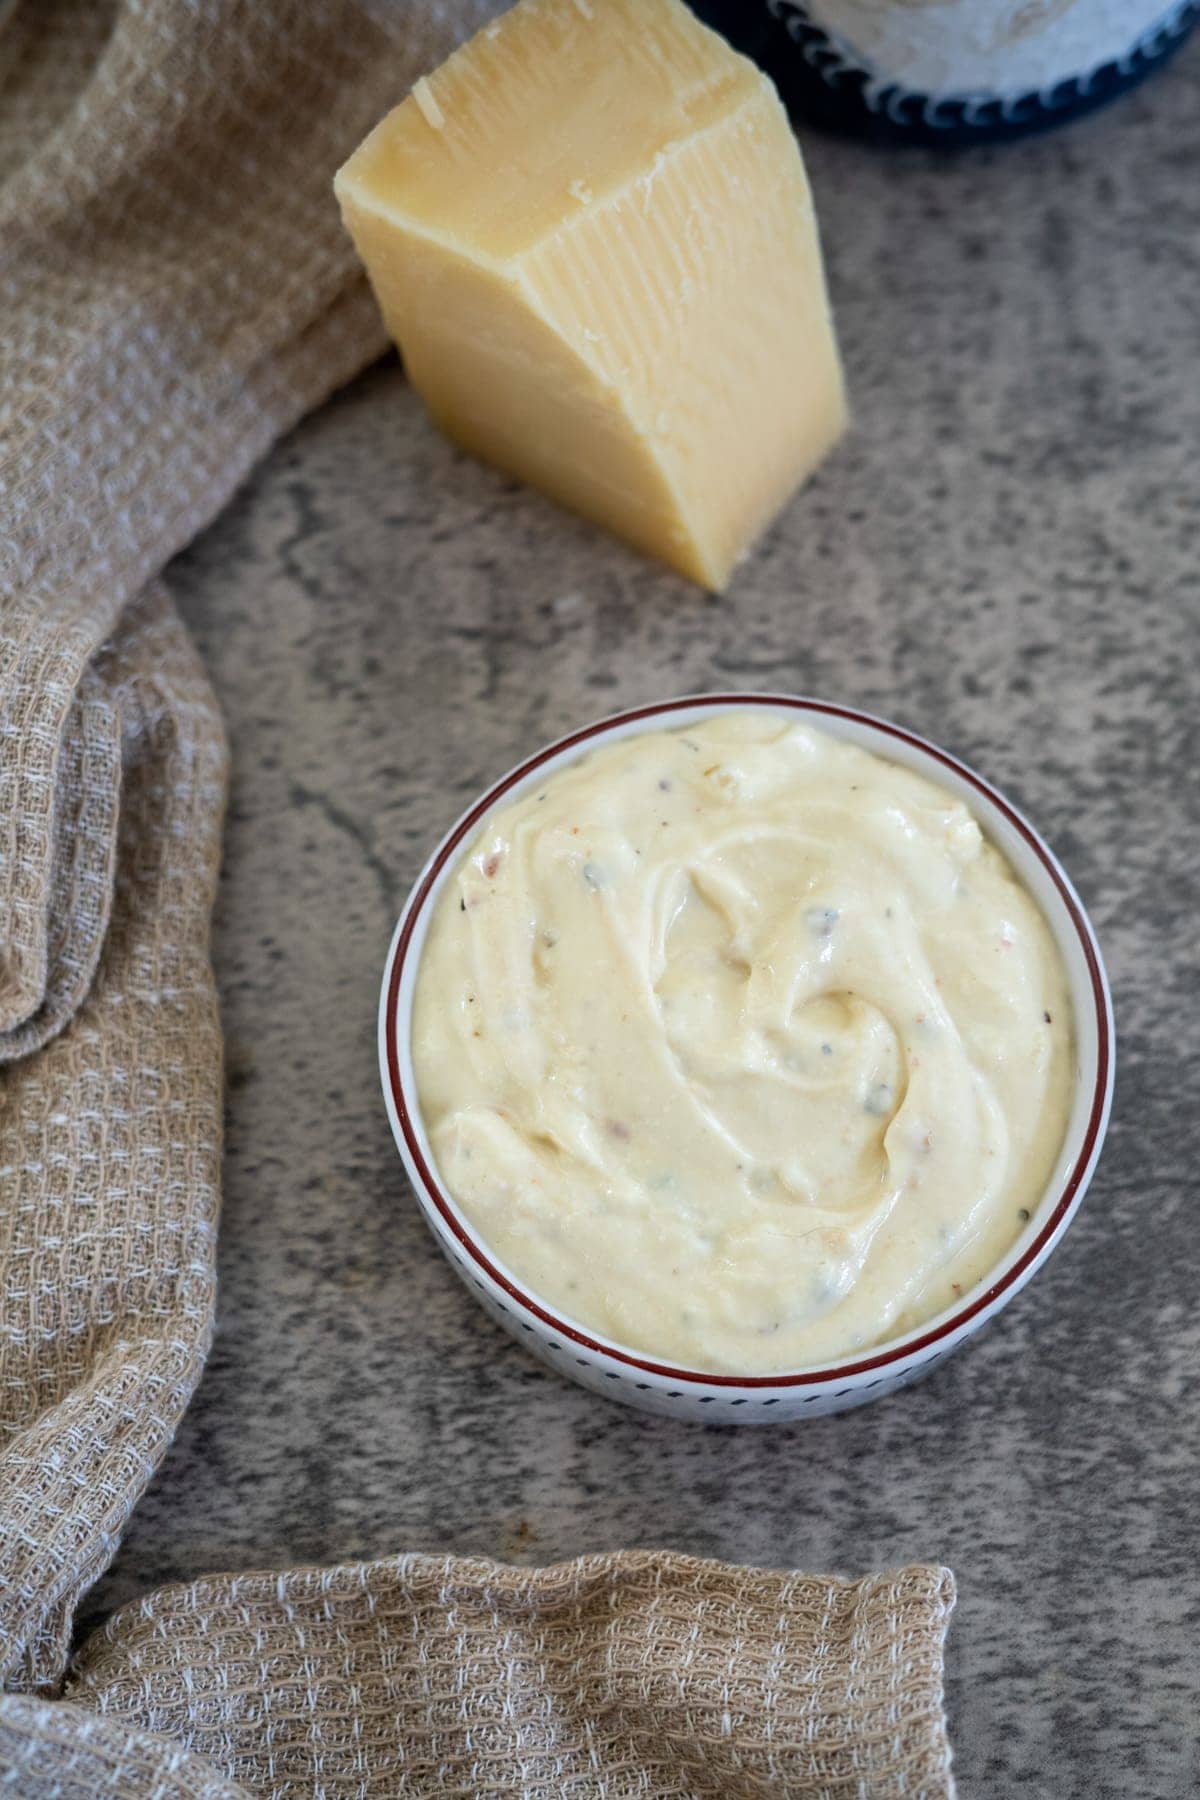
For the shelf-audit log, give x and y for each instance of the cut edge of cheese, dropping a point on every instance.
(629, 358)
(494, 148)
(548, 417)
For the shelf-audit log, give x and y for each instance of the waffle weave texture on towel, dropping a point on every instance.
(175, 291)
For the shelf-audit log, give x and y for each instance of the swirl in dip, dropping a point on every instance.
(740, 1045)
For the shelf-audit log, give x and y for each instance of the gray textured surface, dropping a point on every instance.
(1004, 556)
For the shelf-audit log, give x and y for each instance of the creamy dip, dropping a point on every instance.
(740, 1045)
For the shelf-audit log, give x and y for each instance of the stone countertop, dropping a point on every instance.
(1004, 556)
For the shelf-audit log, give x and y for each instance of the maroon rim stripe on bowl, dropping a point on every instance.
(813, 1377)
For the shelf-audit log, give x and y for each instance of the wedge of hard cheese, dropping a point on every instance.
(592, 238)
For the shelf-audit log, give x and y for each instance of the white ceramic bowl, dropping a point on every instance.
(632, 1376)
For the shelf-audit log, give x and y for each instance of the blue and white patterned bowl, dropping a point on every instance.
(952, 72)
(631, 1376)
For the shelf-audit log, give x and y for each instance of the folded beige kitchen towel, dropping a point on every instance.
(175, 290)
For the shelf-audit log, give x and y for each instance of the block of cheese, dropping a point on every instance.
(591, 236)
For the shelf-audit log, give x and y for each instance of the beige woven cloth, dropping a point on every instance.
(175, 290)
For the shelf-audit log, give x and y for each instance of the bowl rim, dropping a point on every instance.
(949, 1326)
